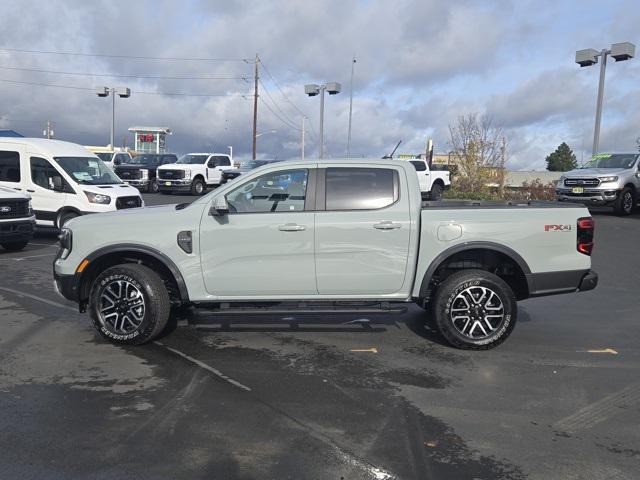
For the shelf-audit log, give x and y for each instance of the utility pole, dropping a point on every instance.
(303, 119)
(255, 108)
(503, 161)
(353, 63)
(48, 132)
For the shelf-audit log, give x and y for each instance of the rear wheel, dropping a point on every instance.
(129, 304)
(475, 310)
(197, 187)
(436, 191)
(624, 203)
(15, 246)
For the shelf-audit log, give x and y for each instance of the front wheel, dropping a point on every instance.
(197, 187)
(153, 186)
(64, 217)
(129, 304)
(624, 203)
(475, 310)
(15, 246)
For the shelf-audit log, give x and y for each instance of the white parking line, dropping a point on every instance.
(54, 245)
(19, 259)
(209, 368)
(33, 297)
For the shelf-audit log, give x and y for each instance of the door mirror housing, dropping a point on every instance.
(220, 207)
(58, 186)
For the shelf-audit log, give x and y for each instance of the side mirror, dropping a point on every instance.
(58, 186)
(117, 161)
(220, 207)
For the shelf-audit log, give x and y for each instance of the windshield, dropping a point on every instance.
(88, 170)
(105, 156)
(611, 160)
(143, 160)
(192, 159)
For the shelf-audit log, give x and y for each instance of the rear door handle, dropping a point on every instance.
(387, 225)
(291, 227)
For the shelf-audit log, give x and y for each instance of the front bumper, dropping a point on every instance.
(590, 196)
(66, 286)
(18, 230)
(174, 185)
(138, 183)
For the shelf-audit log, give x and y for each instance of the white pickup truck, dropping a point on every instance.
(322, 237)
(432, 182)
(193, 173)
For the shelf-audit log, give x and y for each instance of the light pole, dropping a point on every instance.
(586, 58)
(353, 64)
(333, 88)
(122, 92)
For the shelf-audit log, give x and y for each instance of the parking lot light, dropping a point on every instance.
(122, 92)
(332, 88)
(587, 57)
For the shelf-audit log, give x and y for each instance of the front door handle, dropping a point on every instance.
(387, 225)
(31, 191)
(291, 227)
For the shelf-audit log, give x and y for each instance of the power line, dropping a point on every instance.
(73, 87)
(115, 75)
(133, 57)
(275, 104)
(278, 116)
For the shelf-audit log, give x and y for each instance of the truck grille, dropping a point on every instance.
(14, 208)
(129, 174)
(581, 182)
(170, 174)
(128, 202)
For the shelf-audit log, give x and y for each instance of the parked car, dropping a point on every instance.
(608, 179)
(322, 237)
(193, 173)
(432, 182)
(63, 179)
(16, 216)
(141, 170)
(245, 167)
(111, 157)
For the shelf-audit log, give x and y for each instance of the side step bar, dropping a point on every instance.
(306, 308)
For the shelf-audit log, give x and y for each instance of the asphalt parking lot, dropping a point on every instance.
(258, 398)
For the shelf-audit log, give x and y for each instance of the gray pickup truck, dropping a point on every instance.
(324, 237)
(607, 180)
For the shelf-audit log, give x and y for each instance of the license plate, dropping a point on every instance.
(577, 190)
(168, 184)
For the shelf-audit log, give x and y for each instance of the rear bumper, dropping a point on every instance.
(554, 283)
(18, 230)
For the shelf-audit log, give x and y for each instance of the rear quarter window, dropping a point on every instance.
(9, 166)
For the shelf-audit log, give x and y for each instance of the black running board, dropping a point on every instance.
(303, 308)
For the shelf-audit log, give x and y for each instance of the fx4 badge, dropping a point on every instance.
(557, 228)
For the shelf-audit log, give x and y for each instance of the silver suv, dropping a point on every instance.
(608, 179)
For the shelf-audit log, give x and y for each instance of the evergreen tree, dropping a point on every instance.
(562, 159)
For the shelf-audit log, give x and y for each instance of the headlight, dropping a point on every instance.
(608, 179)
(561, 180)
(66, 242)
(144, 174)
(187, 174)
(98, 198)
(29, 208)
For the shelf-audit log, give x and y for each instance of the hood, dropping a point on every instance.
(134, 166)
(114, 191)
(134, 215)
(11, 193)
(593, 172)
(174, 166)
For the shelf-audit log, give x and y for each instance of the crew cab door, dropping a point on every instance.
(264, 246)
(363, 229)
(215, 165)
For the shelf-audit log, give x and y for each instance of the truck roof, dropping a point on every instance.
(53, 148)
(342, 161)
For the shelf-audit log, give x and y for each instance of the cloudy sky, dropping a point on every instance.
(420, 64)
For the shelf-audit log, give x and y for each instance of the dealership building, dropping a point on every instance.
(150, 139)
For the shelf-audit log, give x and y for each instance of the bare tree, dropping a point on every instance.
(478, 149)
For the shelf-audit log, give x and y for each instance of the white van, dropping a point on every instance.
(64, 179)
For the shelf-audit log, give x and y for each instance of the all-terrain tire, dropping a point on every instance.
(146, 284)
(465, 288)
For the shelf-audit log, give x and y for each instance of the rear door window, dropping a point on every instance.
(9, 166)
(219, 162)
(418, 165)
(361, 188)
